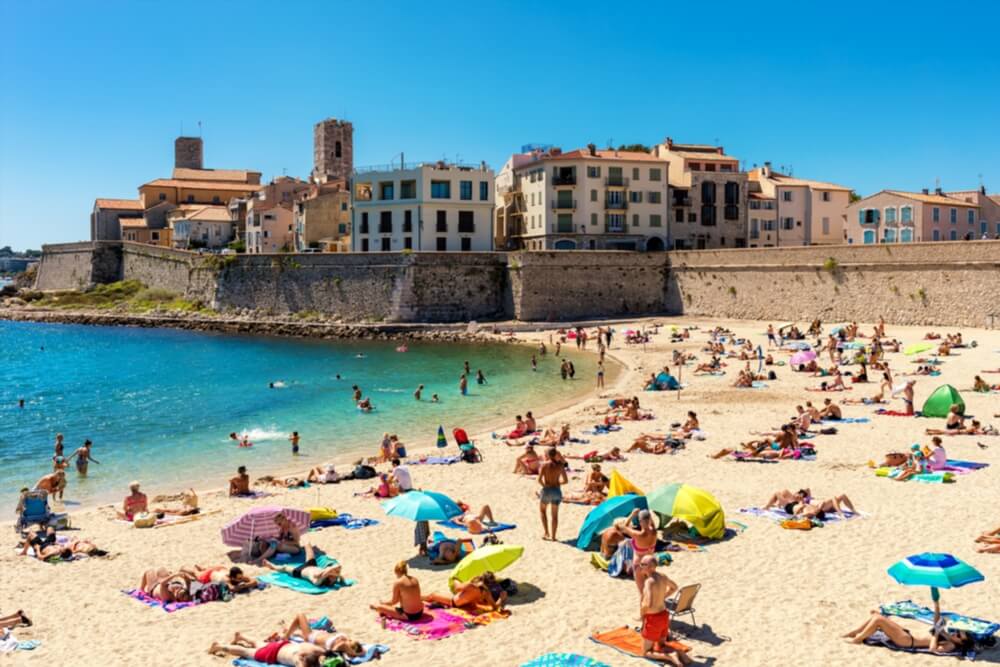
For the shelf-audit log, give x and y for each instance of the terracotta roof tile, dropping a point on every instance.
(120, 204)
(234, 175)
(931, 199)
(202, 185)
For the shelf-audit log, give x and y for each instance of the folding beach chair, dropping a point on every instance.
(683, 602)
(33, 508)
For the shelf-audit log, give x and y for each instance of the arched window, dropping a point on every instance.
(337, 152)
(869, 236)
(888, 235)
(564, 244)
(906, 236)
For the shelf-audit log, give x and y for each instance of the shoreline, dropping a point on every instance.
(617, 373)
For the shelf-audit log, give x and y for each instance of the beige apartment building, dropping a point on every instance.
(195, 226)
(988, 225)
(269, 218)
(788, 211)
(895, 216)
(322, 218)
(438, 207)
(583, 199)
(708, 196)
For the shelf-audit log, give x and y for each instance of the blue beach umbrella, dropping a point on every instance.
(936, 570)
(603, 515)
(422, 506)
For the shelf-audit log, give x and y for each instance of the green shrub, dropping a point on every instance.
(830, 264)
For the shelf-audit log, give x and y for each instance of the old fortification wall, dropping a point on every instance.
(923, 283)
(920, 283)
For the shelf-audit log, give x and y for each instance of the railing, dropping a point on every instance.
(616, 182)
(616, 228)
(564, 227)
(563, 204)
(682, 201)
(564, 179)
(616, 205)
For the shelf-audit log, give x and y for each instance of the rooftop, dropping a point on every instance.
(930, 198)
(610, 155)
(782, 179)
(230, 175)
(201, 185)
(119, 204)
(204, 213)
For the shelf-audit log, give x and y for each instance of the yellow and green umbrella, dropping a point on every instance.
(697, 507)
(490, 558)
(917, 348)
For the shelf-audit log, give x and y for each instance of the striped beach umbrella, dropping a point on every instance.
(442, 441)
(936, 570)
(259, 522)
(690, 504)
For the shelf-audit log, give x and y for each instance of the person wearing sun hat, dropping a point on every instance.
(134, 503)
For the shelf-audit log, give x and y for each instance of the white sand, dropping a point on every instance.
(769, 596)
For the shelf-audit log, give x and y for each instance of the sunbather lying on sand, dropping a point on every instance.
(309, 570)
(551, 439)
(651, 444)
(476, 523)
(613, 454)
(232, 577)
(189, 505)
(782, 499)
(713, 367)
(991, 539)
(583, 497)
(15, 620)
(325, 474)
(43, 546)
(877, 399)
(335, 642)
(283, 652)
(975, 428)
(819, 510)
(165, 586)
(980, 385)
(761, 449)
(284, 483)
(483, 590)
(939, 641)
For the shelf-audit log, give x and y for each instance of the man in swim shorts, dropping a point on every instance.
(551, 476)
(406, 603)
(656, 589)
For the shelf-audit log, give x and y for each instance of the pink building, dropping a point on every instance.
(894, 216)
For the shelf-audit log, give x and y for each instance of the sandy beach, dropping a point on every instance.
(769, 595)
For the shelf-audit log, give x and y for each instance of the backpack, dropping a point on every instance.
(363, 471)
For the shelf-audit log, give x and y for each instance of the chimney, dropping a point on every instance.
(188, 153)
(670, 144)
(937, 191)
(982, 189)
(926, 191)
(767, 169)
(592, 149)
(555, 151)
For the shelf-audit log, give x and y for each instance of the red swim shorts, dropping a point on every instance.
(268, 653)
(656, 627)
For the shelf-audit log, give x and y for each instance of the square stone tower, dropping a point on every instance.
(188, 153)
(333, 150)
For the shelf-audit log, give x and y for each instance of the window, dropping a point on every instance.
(442, 243)
(695, 166)
(593, 172)
(788, 223)
(767, 225)
(442, 221)
(386, 190)
(655, 197)
(635, 196)
(786, 195)
(615, 176)
(593, 195)
(710, 166)
(408, 189)
(906, 236)
(484, 191)
(163, 197)
(906, 214)
(971, 217)
(466, 222)
(408, 242)
(385, 244)
(343, 206)
(754, 204)
(614, 198)
(869, 236)
(953, 216)
(216, 200)
(708, 192)
(936, 214)
(593, 219)
(655, 220)
(635, 173)
(440, 189)
(465, 190)
(732, 195)
(564, 223)
(655, 174)
(826, 196)
(953, 235)
(868, 216)
(155, 236)
(888, 235)
(337, 150)
(466, 243)
(385, 222)
(407, 221)
(678, 215)
(692, 217)
(342, 228)
(615, 222)
(364, 245)
(726, 167)
(826, 226)
(635, 219)
(364, 223)
(890, 214)
(936, 235)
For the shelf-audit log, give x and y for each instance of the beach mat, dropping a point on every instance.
(479, 615)
(978, 628)
(285, 580)
(434, 624)
(939, 477)
(490, 527)
(372, 652)
(881, 640)
(628, 641)
(966, 465)
(150, 601)
(564, 660)
(436, 461)
(344, 520)
(845, 420)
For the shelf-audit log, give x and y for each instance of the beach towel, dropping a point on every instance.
(628, 641)
(437, 460)
(345, 520)
(564, 660)
(601, 563)
(372, 652)
(479, 615)
(958, 464)
(937, 477)
(881, 640)
(601, 429)
(845, 420)
(9, 643)
(434, 624)
(977, 628)
(150, 601)
(490, 527)
(253, 495)
(620, 564)
(757, 384)
(894, 413)
(779, 515)
(285, 580)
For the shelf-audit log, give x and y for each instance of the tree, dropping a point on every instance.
(854, 196)
(634, 148)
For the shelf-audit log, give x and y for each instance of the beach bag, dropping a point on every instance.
(508, 586)
(797, 524)
(771, 375)
(144, 520)
(363, 471)
(214, 593)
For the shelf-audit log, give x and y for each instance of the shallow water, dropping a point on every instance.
(159, 404)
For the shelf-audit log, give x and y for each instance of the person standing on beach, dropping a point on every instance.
(908, 396)
(655, 591)
(643, 542)
(600, 374)
(416, 394)
(534, 363)
(771, 341)
(551, 477)
(294, 439)
(608, 333)
(83, 458)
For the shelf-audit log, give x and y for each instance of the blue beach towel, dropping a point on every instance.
(969, 465)
(490, 527)
(975, 627)
(285, 580)
(345, 520)
(564, 660)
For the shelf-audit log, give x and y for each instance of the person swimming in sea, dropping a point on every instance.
(359, 355)
(480, 378)
(365, 405)
(534, 363)
(294, 439)
(357, 392)
(435, 399)
(416, 394)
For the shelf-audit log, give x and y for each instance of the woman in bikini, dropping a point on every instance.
(478, 523)
(527, 463)
(939, 641)
(165, 586)
(334, 642)
(952, 425)
(321, 577)
(483, 590)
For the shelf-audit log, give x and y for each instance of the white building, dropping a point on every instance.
(423, 207)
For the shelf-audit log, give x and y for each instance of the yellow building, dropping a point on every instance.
(137, 231)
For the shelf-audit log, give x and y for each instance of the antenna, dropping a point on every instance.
(199, 128)
(937, 182)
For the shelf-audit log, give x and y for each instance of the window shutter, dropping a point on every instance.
(861, 216)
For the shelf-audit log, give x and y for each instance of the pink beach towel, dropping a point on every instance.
(434, 624)
(150, 601)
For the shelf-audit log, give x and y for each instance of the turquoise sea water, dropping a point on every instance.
(159, 404)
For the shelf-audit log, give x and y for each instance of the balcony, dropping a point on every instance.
(616, 182)
(616, 205)
(563, 204)
(563, 180)
(563, 227)
(682, 201)
(616, 227)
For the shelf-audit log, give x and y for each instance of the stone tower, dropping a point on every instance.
(333, 150)
(188, 153)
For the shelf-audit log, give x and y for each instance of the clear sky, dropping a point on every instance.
(870, 95)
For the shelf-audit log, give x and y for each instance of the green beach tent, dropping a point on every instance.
(939, 403)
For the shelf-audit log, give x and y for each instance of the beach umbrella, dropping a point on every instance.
(619, 486)
(936, 570)
(490, 558)
(917, 348)
(802, 357)
(442, 442)
(602, 516)
(259, 522)
(422, 506)
(691, 504)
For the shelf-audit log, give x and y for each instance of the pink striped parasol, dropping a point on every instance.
(259, 522)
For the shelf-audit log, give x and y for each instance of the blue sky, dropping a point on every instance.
(860, 94)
